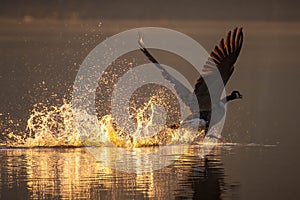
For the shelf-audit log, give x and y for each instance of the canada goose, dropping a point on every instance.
(222, 58)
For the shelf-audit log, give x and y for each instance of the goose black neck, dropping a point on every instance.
(228, 98)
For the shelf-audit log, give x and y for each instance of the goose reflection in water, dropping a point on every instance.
(74, 173)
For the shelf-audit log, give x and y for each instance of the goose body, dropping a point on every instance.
(222, 58)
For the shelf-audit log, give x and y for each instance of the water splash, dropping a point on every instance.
(54, 126)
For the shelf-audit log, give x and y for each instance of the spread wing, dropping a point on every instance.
(184, 93)
(226, 54)
(222, 58)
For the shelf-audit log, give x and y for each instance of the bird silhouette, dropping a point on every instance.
(221, 60)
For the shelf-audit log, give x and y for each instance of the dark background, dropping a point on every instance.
(269, 10)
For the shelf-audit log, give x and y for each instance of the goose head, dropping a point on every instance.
(236, 95)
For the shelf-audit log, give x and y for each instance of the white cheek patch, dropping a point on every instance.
(237, 95)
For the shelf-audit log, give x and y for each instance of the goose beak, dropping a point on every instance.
(241, 96)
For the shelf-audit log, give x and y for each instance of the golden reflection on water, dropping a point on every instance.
(73, 173)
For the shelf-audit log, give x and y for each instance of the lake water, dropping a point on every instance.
(72, 173)
(258, 155)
